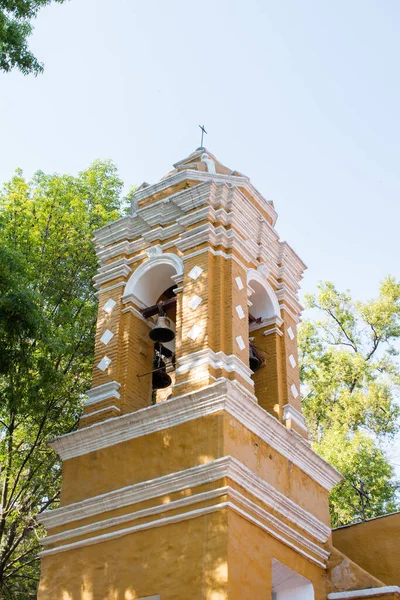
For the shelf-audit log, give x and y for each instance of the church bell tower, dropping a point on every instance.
(191, 476)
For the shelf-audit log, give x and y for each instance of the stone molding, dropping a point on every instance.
(289, 412)
(221, 396)
(226, 466)
(201, 176)
(237, 502)
(215, 253)
(103, 392)
(111, 272)
(217, 360)
(366, 593)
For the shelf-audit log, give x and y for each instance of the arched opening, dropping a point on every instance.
(152, 289)
(264, 315)
(289, 585)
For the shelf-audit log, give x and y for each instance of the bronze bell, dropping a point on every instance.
(162, 331)
(254, 359)
(160, 378)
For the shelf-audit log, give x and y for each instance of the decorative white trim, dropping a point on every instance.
(292, 361)
(250, 511)
(289, 412)
(275, 320)
(240, 311)
(103, 392)
(133, 516)
(215, 253)
(195, 272)
(287, 534)
(112, 272)
(256, 275)
(159, 259)
(290, 333)
(155, 250)
(213, 471)
(104, 363)
(294, 391)
(216, 360)
(202, 176)
(273, 330)
(239, 283)
(110, 288)
(106, 337)
(220, 396)
(137, 314)
(101, 410)
(194, 332)
(365, 593)
(109, 305)
(240, 342)
(156, 597)
(195, 302)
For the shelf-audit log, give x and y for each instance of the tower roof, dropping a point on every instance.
(202, 160)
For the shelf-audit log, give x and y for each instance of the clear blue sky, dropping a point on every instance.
(301, 95)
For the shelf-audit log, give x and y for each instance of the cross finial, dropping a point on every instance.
(203, 131)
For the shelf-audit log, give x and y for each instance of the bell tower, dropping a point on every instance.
(191, 475)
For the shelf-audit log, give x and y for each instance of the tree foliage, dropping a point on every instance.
(350, 375)
(15, 29)
(47, 318)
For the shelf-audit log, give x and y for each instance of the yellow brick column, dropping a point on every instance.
(212, 323)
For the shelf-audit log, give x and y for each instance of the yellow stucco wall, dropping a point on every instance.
(374, 546)
(181, 561)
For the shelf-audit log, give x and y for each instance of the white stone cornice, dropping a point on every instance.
(366, 593)
(221, 396)
(216, 236)
(216, 360)
(201, 176)
(226, 467)
(236, 501)
(111, 272)
(100, 410)
(103, 392)
(221, 253)
(289, 412)
(247, 510)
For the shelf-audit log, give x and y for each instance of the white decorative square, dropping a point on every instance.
(294, 391)
(239, 283)
(195, 301)
(292, 361)
(240, 342)
(194, 332)
(240, 312)
(107, 336)
(109, 305)
(195, 272)
(103, 364)
(290, 333)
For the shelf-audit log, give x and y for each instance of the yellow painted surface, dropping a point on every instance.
(345, 575)
(180, 561)
(374, 545)
(250, 553)
(271, 466)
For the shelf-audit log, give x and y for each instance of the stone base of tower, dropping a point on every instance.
(205, 496)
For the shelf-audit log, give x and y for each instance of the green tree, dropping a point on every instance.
(350, 377)
(47, 318)
(15, 29)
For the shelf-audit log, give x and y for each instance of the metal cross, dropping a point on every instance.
(203, 131)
